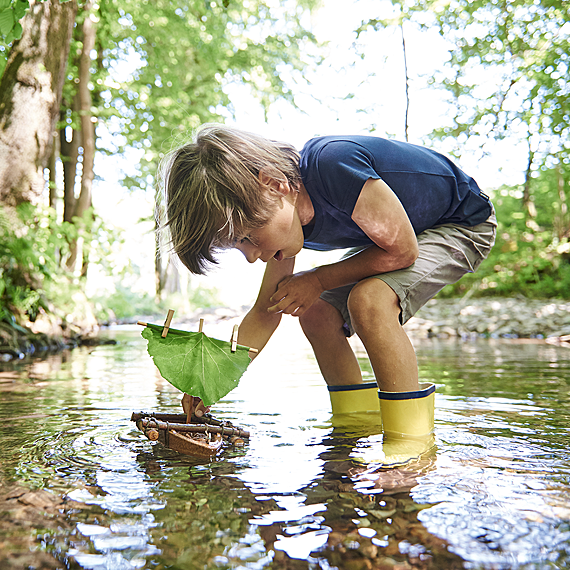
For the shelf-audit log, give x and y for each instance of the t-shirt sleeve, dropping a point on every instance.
(344, 167)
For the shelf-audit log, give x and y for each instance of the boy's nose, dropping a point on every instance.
(250, 252)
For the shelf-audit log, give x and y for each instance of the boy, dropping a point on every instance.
(414, 221)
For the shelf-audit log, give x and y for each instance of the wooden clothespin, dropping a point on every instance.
(167, 322)
(201, 325)
(234, 341)
(234, 338)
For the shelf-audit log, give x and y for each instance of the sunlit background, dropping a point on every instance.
(358, 88)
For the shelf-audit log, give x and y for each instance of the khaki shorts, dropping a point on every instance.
(446, 253)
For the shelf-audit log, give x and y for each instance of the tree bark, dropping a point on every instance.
(69, 153)
(406, 81)
(53, 193)
(83, 202)
(30, 96)
(527, 202)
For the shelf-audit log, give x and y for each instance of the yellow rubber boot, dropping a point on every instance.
(407, 424)
(408, 414)
(354, 398)
(356, 406)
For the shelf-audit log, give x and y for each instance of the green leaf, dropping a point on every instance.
(6, 21)
(17, 31)
(21, 8)
(195, 363)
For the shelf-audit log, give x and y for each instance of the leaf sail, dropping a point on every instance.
(195, 363)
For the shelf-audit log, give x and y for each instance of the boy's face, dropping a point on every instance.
(281, 237)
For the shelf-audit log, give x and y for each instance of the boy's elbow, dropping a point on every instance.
(409, 256)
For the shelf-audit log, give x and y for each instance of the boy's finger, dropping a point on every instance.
(277, 296)
(280, 307)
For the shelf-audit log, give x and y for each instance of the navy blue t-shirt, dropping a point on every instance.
(432, 189)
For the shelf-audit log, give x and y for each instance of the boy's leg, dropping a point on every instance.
(445, 254)
(323, 327)
(374, 309)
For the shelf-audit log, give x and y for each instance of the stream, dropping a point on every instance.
(83, 488)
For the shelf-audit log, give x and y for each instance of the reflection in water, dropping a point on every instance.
(493, 493)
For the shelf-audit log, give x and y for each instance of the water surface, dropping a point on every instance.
(494, 493)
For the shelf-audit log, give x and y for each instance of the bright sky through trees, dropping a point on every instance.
(358, 88)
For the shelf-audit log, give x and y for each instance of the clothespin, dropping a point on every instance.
(234, 341)
(234, 338)
(201, 325)
(167, 322)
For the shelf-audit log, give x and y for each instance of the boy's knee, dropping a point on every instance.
(320, 318)
(371, 302)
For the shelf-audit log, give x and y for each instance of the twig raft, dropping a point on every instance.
(194, 428)
(204, 438)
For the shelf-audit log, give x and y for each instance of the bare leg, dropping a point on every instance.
(322, 325)
(374, 310)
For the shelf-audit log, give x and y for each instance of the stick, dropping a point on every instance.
(193, 428)
(142, 324)
(167, 322)
(201, 325)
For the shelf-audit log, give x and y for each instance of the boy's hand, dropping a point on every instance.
(193, 405)
(296, 293)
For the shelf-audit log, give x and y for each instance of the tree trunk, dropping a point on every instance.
(53, 193)
(30, 96)
(406, 81)
(562, 227)
(528, 204)
(83, 202)
(69, 153)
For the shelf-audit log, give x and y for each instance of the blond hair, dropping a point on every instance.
(211, 194)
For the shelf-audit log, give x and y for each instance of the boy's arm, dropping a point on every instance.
(380, 214)
(259, 324)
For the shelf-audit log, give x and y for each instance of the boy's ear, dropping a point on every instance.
(273, 185)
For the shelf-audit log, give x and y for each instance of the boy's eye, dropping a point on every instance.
(247, 239)
(242, 240)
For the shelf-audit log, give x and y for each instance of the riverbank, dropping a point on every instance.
(17, 342)
(493, 318)
(509, 318)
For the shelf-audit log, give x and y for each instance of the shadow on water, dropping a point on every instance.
(82, 488)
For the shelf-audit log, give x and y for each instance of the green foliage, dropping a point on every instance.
(125, 304)
(32, 244)
(507, 73)
(11, 12)
(195, 363)
(506, 77)
(162, 66)
(531, 256)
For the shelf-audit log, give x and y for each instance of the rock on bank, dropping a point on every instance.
(492, 317)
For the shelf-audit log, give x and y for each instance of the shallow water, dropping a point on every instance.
(494, 493)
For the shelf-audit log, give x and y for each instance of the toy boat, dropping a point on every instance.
(203, 437)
